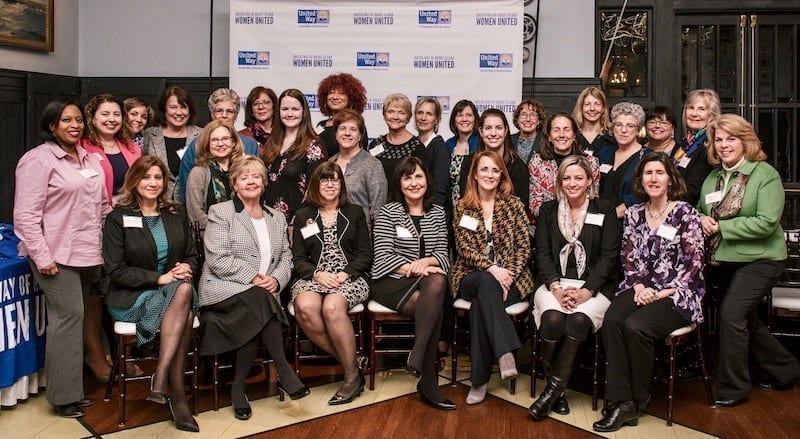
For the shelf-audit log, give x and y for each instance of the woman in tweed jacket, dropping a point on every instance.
(248, 263)
(410, 267)
(491, 270)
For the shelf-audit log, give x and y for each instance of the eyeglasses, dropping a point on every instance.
(489, 171)
(627, 126)
(658, 122)
(528, 116)
(224, 111)
(266, 103)
(329, 181)
(220, 140)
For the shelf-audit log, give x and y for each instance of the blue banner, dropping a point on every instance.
(22, 322)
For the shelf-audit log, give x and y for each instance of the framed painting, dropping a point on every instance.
(27, 24)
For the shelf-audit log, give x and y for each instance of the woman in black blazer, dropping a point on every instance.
(332, 253)
(150, 258)
(577, 252)
(411, 264)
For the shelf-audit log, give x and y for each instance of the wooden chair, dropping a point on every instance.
(676, 338)
(378, 316)
(356, 315)
(216, 367)
(518, 314)
(784, 300)
(126, 336)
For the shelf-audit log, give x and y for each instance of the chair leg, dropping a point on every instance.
(373, 340)
(595, 371)
(706, 380)
(454, 351)
(196, 371)
(297, 352)
(534, 337)
(121, 347)
(113, 376)
(215, 378)
(671, 391)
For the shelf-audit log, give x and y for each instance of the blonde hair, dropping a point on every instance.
(471, 200)
(204, 157)
(741, 128)
(714, 105)
(400, 100)
(577, 112)
(583, 163)
(247, 163)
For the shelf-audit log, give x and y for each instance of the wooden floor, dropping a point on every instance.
(394, 410)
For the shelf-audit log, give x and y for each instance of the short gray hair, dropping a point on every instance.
(628, 109)
(224, 94)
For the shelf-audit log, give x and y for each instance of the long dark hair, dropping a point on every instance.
(407, 166)
(305, 131)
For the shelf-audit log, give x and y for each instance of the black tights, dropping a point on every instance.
(425, 305)
(556, 324)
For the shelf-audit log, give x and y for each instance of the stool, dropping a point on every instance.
(517, 313)
(595, 365)
(356, 315)
(378, 315)
(126, 336)
(677, 338)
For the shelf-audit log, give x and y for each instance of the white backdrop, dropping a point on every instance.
(468, 49)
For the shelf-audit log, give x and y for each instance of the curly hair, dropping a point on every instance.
(90, 109)
(204, 157)
(537, 107)
(347, 84)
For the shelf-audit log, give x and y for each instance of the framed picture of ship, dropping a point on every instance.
(27, 24)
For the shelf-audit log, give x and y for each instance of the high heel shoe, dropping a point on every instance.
(155, 396)
(337, 399)
(416, 373)
(441, 405)
(243, 413)
(362, 362)
(189, 424)
(299, 394)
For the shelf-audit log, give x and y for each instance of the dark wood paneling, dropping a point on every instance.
(12, 136)
(557, 94)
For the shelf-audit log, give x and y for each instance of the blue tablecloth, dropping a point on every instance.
(22, 322)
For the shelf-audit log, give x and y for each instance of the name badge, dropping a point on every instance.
(309, 230)
(684, 162)
(402, 232)
(377, 150)
(132, 221)
(181, 152)
(574, 283)
(88, 173)
(588, 152)
(714, 197)
(595, 219)
(605, 168)
(468, 223)
(667, 232)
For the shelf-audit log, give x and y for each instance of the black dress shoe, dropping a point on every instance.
(243, 413)
(561, 406)
(338, 399)
(732, 402)
(416, 373)
(772, 385)
(155, 396)
(184, 424)
(619, 415)
(69, 410)
(299, 394)
(85, 402)
(440, 405)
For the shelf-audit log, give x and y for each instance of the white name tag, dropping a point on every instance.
(468, 223)
(684, 162)
(132, 221)
(309, 230)
(376, 150)
(402, 232)
(605, 168)
(714, 197)
(589, 152)
(575, 283)
(181, 152)
(88, 173)
(595, 219)
(667, 232)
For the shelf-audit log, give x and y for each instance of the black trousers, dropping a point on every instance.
(492, 333)
(741, 331)
(629, 336)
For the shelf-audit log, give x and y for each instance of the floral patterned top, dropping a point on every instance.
(543, 180)
(287, 180)
(652, 260)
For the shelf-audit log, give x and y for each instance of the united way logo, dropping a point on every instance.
(312, 102)
(434, 17)
(313, 17)
(253, 58)
(496, 61)
(372, 60)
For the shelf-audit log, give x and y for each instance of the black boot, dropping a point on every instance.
(557, 379)
(548, 349)
(623, 413)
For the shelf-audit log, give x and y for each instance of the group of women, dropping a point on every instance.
(620, 235)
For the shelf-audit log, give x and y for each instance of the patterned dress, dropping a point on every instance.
(652, 260)
(333, 260)
(288, 179)
(543, 180)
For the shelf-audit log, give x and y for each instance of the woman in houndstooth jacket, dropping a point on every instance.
(248, 263)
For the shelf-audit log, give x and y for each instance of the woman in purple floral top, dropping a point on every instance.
(662, 259)
(291, 155)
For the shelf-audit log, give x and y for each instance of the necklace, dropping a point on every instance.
(658, 216)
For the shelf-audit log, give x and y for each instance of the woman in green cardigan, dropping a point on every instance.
(742, 203)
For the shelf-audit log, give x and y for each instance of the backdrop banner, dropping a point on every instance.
(451, 50)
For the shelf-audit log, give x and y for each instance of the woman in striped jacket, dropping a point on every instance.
(410, 267)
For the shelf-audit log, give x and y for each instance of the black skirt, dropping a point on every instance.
(394, 293)
(228, 325)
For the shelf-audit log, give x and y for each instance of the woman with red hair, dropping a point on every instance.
(335, 93)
